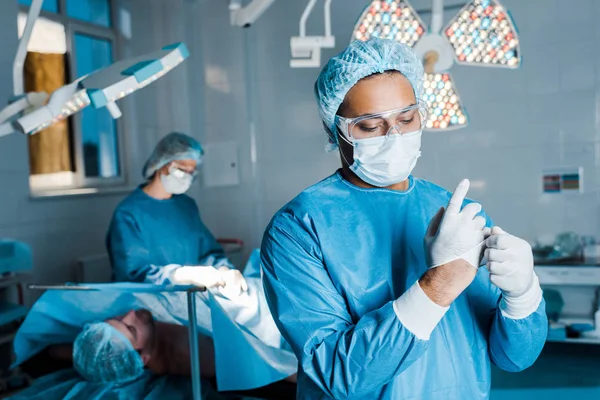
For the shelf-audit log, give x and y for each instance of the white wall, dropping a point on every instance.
(542, 115)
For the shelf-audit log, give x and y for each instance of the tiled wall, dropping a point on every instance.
(545, 114)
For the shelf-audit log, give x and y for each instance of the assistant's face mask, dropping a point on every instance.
(177, 181)
(386, 160)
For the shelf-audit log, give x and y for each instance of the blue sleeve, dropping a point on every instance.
(514, 345)
(129, 255)
(344, 357)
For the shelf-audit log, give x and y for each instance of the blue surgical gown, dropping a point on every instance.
(336, 257)
(149, 238)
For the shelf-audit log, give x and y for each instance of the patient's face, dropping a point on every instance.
(138, 327)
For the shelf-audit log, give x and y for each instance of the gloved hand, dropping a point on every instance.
(207, 277)
(454, 234)
(510, 262)
(235, 283)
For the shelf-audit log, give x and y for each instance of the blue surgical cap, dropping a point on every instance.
(102, 354)
(174, 146)
(359, 60)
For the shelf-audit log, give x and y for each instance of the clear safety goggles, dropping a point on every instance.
(401, 121)
(178, 172)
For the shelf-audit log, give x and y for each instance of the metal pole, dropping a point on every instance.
(437, 19)
(195, 356)
(34, 12)
(305, 15)
(328, 18)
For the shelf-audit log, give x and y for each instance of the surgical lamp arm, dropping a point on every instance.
(20, 101)
(306, 50)
(34, 12)
(305, 15)
(246, 16)
(437, 17)
(308, 11)
(328, 18)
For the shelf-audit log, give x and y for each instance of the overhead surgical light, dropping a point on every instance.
(102, 88)
(395, 20)
(481, 34)
(484, 34)
(30, 113)
(445, 108)
(306, 50)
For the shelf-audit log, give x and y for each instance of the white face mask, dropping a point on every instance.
(176, 185)
(386, 160)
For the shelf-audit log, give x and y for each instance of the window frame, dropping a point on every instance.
(111, 34)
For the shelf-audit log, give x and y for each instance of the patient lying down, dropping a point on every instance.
(120, 348)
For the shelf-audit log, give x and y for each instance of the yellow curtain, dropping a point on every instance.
(49, 150)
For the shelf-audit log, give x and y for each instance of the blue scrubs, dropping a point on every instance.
(149, 238)
(336, 257)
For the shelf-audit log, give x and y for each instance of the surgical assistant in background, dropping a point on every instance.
(156, 234)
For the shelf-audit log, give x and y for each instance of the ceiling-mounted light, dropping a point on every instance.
(102, 88)
(247, 15)
(306, 50)
(29, 113)
(482, 34)
(445, 108)
(395, 20)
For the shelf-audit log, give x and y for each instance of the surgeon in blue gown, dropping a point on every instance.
(156, 234)
(385, 285)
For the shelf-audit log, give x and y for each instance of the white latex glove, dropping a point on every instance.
(453, 234)
(207, 277)
(235, 283)
(510, 262)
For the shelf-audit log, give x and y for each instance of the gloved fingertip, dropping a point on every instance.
(496, 230)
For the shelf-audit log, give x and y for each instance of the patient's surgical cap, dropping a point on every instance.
(102, 354)
(359, 60)
(174, 146)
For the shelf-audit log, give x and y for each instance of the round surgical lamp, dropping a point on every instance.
(481, 34)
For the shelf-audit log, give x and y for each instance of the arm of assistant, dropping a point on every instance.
(520, 324)
(130, 256)
(342, 356)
